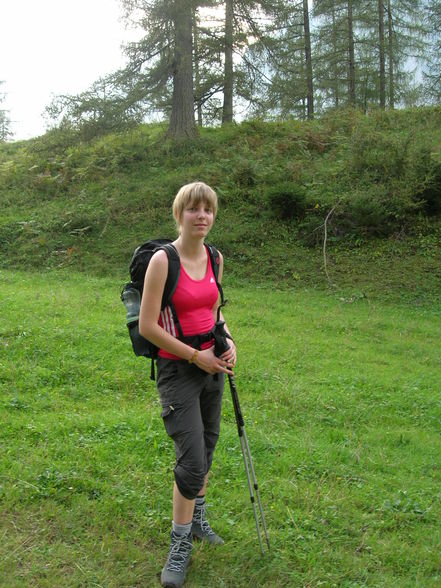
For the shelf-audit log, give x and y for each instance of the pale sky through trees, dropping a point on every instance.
(52, 47)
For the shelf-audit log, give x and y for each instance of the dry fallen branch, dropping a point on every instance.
(325, 238)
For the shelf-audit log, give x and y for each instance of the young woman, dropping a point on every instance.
(190, 381)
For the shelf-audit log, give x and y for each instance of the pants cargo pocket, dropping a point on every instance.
(167, 415)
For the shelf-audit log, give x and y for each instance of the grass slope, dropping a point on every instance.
(342, 413)
(87, 206)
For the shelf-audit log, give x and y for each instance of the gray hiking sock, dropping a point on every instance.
(200, 501)
(181, 529)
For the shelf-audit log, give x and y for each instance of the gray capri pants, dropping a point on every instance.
(191, 403)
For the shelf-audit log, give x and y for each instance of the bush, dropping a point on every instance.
(287, 200)
(425, 176)
(367, 211)
(379, 155)
(245, 175)
(431, 195)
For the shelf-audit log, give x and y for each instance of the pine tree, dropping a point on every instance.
(5, 121)
(182, 122)
(281, 73)
(367, 43)
(336, 56)
(432, 69)
(308, 61)
(351, 52)
(227, 109)
(160, 69)
(243, 27)
(400, 43)
(382, 63)
(101, 109)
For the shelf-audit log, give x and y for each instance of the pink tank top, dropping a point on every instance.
(193, 301)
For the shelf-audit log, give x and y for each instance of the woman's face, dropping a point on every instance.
(196, 219)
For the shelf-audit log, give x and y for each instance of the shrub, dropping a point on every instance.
(245, 175)
(287, 200)
(381, 156)
(431, 195)
(425, 177)
(367, 210)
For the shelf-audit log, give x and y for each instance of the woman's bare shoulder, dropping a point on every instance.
(158, 265)
(160, 257)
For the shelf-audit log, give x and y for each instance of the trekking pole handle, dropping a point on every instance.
(220, 338)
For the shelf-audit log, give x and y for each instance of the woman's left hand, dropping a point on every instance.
(230, 355)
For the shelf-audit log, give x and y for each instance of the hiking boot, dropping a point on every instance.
(173, 573)
(201, 527)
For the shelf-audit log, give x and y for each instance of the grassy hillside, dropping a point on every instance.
(86, 206)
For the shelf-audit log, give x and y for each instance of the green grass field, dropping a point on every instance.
(341, 402)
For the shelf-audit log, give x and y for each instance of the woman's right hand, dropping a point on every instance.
(207, 361)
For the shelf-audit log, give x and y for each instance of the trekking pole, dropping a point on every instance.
(248, 462)
(221, 346)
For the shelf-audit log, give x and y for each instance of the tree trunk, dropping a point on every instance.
(335, 74)
(391, 56)
(351, 55)
(197, 75)
(182, 123)
(227, 110)
(308, 60)
(381, 50)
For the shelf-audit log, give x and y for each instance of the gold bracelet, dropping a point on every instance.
(194, 357)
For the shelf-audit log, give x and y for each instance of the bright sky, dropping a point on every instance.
(50, 47)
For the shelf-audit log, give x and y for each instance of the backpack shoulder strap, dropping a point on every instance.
(174, 270)
(214, 256)
(214, 259)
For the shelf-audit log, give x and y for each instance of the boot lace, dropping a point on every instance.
(179, 552)
(199, 517)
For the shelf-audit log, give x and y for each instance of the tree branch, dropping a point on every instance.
(325, 238)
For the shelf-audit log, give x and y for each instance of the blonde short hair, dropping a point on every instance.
(194, 194)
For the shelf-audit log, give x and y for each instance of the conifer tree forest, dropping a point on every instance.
(199, 63)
